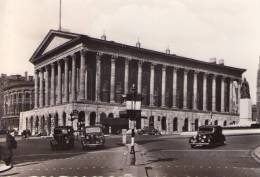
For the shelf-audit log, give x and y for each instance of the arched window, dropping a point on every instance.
(92, 121)
(151, 121)
(163, 123)
(186, 125)
(196, 124)
(64, 118)
(225, 123)
(175, 124)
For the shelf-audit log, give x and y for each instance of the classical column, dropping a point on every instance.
(66, 80)
(52, 84)
(73, 78)
(126, 75)
(185, 88)
(152, 85)
(223, 94)
(214, 93)
(23, 102)
(231, 95)
(41, 88)
(163, 85)
(47, 85)
(36, 89)
(59, 94)
(98, 75)
(239, 96)
(112, 77)
(195, 90)
(139, 81)
(83, 53)
(205, 92)
(174, 87)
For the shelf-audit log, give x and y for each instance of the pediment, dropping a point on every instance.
(55, 42)
(52, 41)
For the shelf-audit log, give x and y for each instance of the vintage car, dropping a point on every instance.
(63, 138)
(149, 131)
(208, 135)
(92, 136)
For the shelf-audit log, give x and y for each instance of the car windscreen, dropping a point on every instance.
(93, 129)
(205, 129)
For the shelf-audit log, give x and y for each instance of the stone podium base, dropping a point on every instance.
(245, 108)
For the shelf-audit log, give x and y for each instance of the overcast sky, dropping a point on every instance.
(201, 29)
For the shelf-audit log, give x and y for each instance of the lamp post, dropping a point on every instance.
(133, 107)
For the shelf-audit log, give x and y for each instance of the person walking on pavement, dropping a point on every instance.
(10, 144)
(6, 152)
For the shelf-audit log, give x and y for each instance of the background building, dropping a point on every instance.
(258, 94)
(78, 72)
(18, 96)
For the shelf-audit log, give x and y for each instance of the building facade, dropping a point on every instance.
(258, 94)
(78, 72)
(18, 96)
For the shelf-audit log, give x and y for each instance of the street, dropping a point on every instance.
(156, 156)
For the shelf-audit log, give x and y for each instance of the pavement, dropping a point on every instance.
(256, 154)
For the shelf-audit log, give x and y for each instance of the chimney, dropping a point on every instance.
(104, 37)
(26, 75)
(221, 62)
(138, 44)
(168, 51)
(213, 60)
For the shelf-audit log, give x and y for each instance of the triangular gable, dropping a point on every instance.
(52, 41)
(55, 42)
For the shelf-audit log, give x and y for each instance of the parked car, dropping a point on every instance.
(149, 131)
(26, 133)
(63, 138)
(92, 136)
(208, 135)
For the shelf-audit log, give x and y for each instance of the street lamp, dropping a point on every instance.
(133, 108)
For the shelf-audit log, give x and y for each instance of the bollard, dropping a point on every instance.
(132, 156)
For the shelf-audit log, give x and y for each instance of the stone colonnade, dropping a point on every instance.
(78, 77)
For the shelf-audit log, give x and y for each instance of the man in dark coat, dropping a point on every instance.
(6, 152)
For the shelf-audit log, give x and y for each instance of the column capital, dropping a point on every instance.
(36, 71)
(83, 51)
(196, 71)
(52, 64)
(99, 54)
(223, 78)
(47, 67)
(114, 57)
(152, 65)
(140, 62)
(164, 67)
(74, 56)
(41, 69)
(185, 70)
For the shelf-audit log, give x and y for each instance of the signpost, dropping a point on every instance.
(133, 113)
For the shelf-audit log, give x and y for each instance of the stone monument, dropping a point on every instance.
(245, 105)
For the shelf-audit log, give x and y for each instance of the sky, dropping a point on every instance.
(201, 29)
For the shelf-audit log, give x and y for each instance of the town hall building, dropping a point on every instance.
(78, 72)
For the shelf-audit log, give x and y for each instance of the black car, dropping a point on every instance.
(92, 136)
(208, 135)
(149, 131)
(63, 138)
(26, 133)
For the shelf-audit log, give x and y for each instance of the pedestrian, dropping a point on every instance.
(11, 144)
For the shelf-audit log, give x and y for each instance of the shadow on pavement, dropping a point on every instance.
(10, 174)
